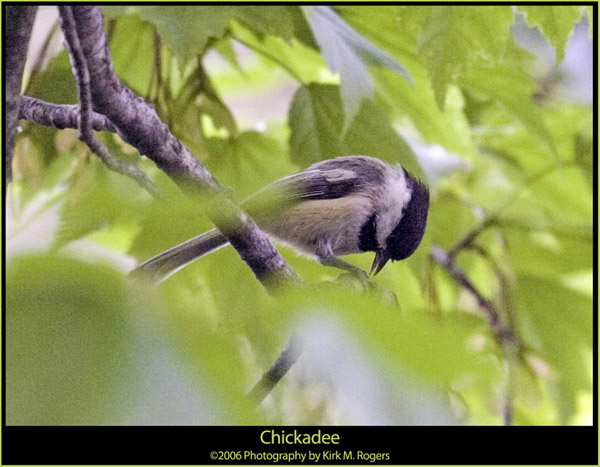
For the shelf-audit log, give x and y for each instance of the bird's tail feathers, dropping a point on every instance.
(168, 262)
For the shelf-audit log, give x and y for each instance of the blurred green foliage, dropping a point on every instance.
(86, 345)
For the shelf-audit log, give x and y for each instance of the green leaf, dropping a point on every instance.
(268, 20)
(347, 52)
(454, 37)
(97, 198)
(195, 98)
(132, 51)
(317, 133)
(557, 323)
(166, 223)
(84, 347)
(372, 134)
(449, 221)
(43, 86)
(584, 156)
(513, 88)
(433, 349)
(224, 47)
(240, 163)
(316, 121)
(544, 254)
(555, 22)
(560, 201)
(565, 197)
(449, 128)
(187, 29)
(302, 62)
(66, 335)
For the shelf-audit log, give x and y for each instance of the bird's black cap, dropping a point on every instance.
(407, 235)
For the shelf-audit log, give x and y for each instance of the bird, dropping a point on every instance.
(335, 207)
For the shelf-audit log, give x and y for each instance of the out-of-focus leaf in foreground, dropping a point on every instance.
(409, 347)
(84, 347)
(557, 322)
(66, 335)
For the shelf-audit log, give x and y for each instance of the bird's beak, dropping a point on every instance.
(381, 258)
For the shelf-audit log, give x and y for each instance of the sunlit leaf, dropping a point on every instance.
(302, 62)
(85, 348)
(187, 30)
(538, 252)
(132, 50)
(96, 197)
(513, 88)
(408, 340)
(454, 37)
(347, 52)
(555, 22)
(226, 50)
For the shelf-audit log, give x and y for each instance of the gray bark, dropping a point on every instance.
(138, 124)
(19, 22)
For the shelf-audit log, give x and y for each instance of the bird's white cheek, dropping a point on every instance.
(395, 196)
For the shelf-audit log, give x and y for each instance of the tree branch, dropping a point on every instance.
(468, 239)
(493, 218)
(136, 121)
(60, 116)
(18, 23)
(139, 125)
(278, 370)
(86, 134)
(501, 332)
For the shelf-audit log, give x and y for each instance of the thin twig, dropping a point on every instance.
(82, 77)
(492, 219)
(502, 333)
(271, 57)
(278, 370)
(42, 56)
(468, 239)
(60, 115)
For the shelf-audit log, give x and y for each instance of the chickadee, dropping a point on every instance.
(335, 207)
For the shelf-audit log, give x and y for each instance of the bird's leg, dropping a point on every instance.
(326, 257)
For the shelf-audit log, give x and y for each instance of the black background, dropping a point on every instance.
(406, 445)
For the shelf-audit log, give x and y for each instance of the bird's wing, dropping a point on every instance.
(310, 184)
